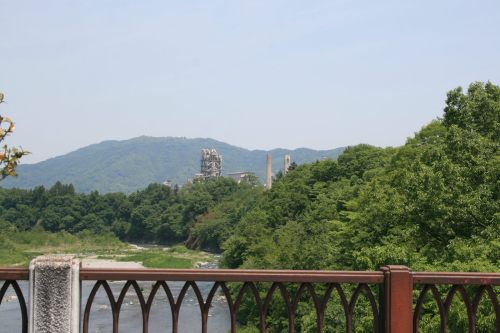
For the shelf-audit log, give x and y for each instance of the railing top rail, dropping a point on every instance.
(14, 274)
(456, 278)
(232, 275)
(244, 275)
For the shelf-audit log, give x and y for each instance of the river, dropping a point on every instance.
(130, 315)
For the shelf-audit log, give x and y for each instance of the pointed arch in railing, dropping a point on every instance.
(250, 286)
(493, 299)
(436, 296)
(20, 299)
(366, 291)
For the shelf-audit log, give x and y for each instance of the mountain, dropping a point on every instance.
(129, 165)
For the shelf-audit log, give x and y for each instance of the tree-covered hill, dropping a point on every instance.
(433, 203)
(126, 166)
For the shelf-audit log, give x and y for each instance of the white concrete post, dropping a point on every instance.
(54, 294)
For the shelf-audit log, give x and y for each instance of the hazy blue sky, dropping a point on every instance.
(257, 74)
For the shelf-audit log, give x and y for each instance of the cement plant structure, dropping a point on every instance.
(211, 167)
(211, 163)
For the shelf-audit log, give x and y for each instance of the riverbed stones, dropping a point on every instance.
(54, 294)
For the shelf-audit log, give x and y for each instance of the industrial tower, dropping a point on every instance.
(288, 161)
(269, 171)
(211, 163)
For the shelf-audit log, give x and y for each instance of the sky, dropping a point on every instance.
(255, 74)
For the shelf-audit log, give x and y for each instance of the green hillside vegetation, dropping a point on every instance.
(18, 248)
(59, 220)
(130, 165)
(157, 214)
(432, 204)
(421, 203)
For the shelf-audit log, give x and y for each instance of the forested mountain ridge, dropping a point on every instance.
(129, 165)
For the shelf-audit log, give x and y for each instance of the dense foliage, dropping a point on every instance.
(130, 165)
(156, 214)
(430, 204)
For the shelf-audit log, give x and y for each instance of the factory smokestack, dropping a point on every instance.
(288, 160)
(269, 172)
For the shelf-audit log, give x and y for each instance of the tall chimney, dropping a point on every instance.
(288, 160)
(269, 172)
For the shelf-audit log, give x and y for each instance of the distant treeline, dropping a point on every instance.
(156, 214)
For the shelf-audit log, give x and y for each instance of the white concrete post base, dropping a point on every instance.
(54, 294)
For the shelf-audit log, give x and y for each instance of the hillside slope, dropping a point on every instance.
(129, 165)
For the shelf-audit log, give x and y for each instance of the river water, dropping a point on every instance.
(130, 316)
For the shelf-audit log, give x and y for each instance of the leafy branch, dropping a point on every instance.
(9, 157)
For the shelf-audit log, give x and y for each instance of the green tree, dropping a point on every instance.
(478, 109)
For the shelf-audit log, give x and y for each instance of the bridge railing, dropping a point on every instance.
(235, 285)
(394, 298)
(442, 289)
(10, 278)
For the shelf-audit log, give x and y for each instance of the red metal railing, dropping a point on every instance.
(249, 279)
(10, 277)
(394, 310)
(396, 297)
(454, 284)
